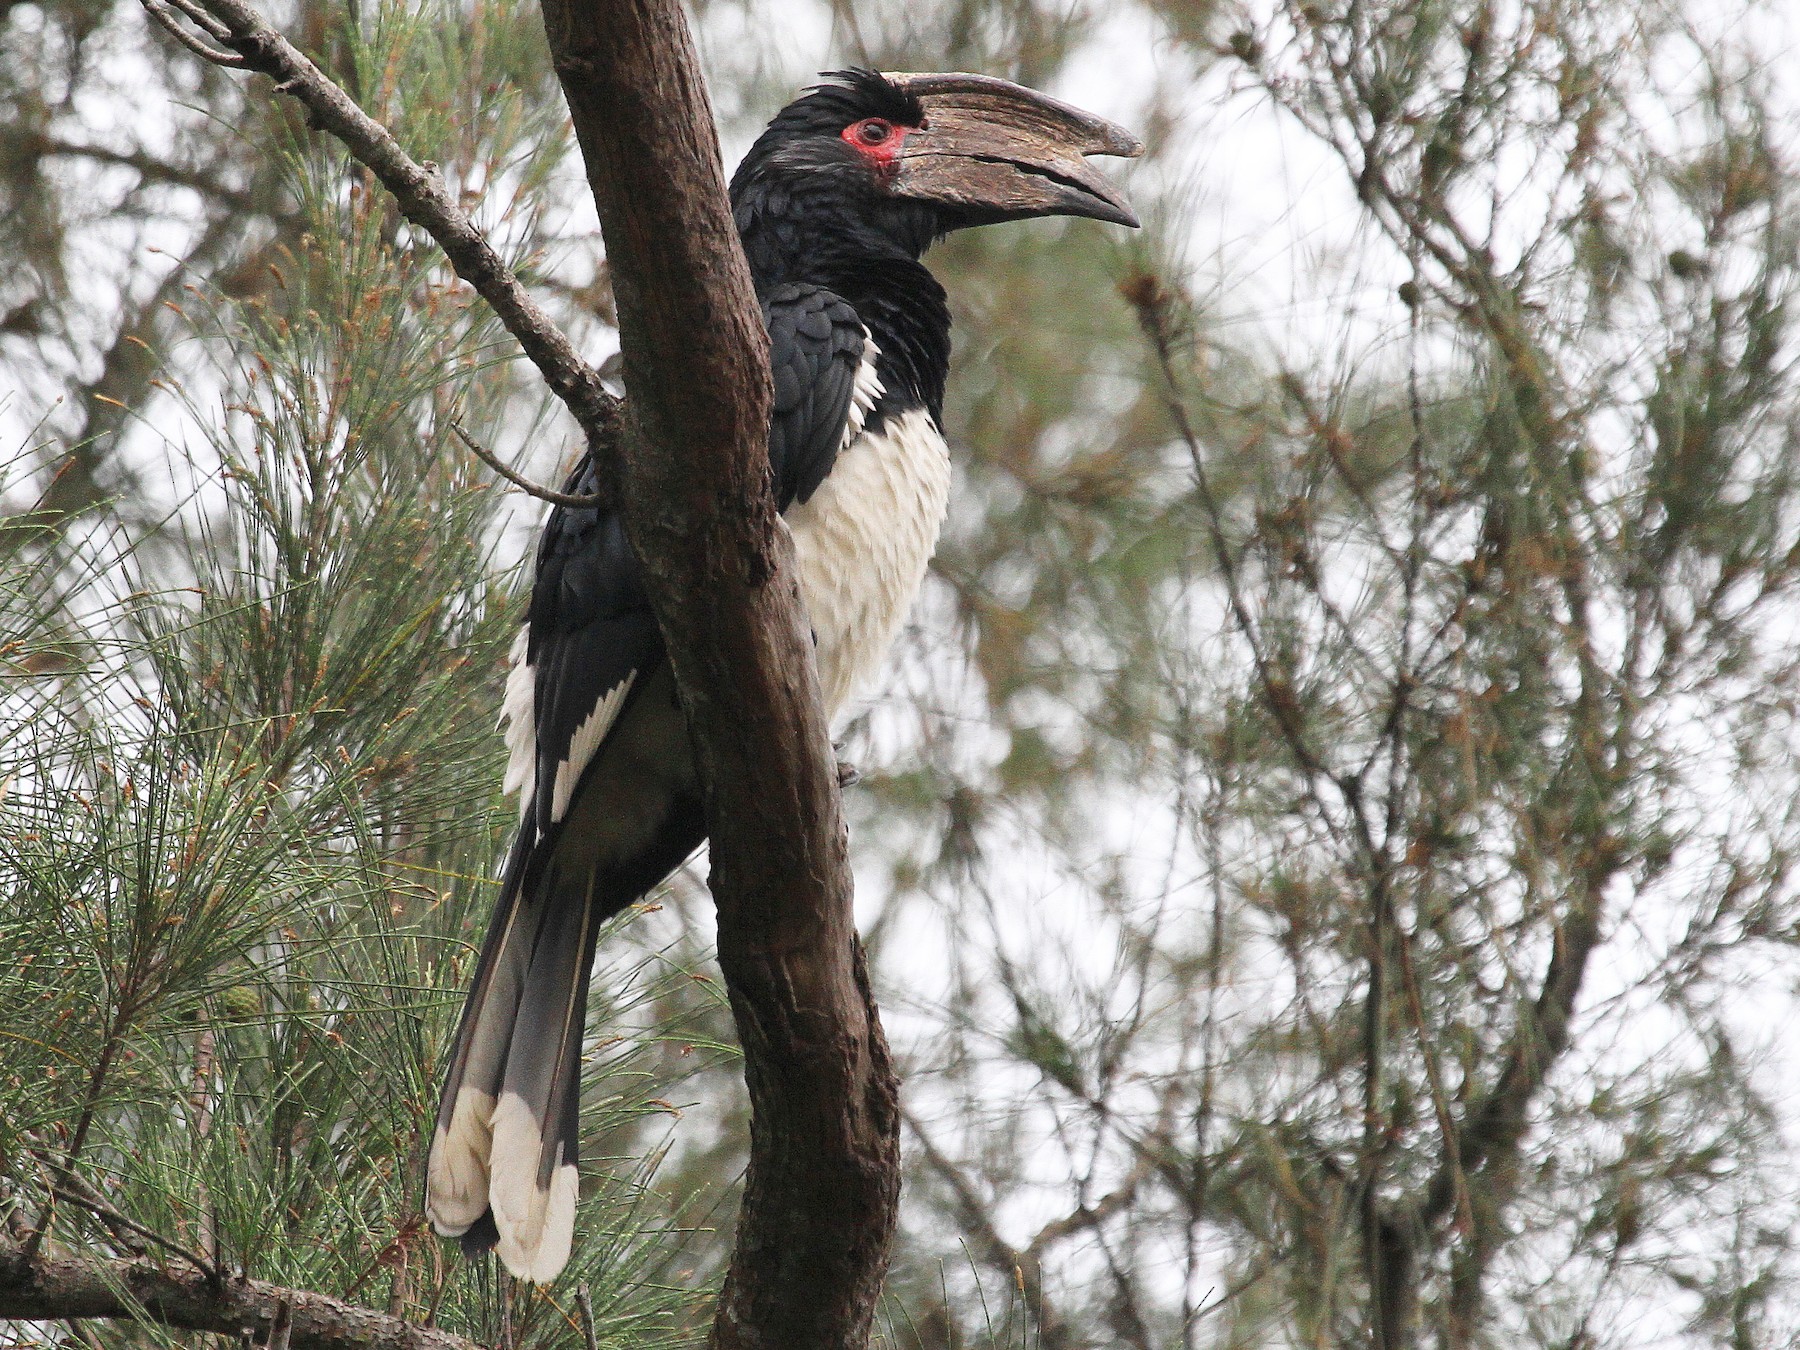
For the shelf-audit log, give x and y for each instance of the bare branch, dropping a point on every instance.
(586, 1304)
(1086, 1217)
(148, 167)
(206, 52)
(114, 1219)
(196, 12)
(973, 1213)
(1026, 1263)
(1495, 1123)
(48, 1287)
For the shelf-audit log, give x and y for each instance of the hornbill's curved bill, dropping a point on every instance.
(834, 205)
(994, 150)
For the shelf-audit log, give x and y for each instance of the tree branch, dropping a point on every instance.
(1026, 1263)
(970, 1209)
(1495, 1123)
(148, 168)
(824, 1177)
(424, 199)
(47, 1287)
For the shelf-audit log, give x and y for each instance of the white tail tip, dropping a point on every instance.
(456, 1178)
(537, 1226)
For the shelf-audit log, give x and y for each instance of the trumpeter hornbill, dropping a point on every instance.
(835, 203)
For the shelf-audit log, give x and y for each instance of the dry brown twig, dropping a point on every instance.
(518, 480)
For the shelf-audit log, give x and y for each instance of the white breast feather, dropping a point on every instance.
(863, 394)
(864, 540)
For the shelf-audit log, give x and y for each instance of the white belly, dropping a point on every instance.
(864, 540)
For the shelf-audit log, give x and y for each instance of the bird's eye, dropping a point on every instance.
(874, 131)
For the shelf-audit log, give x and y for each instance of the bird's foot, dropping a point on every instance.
(848, 774)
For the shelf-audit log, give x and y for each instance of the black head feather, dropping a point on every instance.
(810, 212)
(801, 174)
(843, 97)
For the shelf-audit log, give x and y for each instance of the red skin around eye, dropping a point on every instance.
(879, 152)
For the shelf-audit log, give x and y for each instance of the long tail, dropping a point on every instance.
(502, 1170)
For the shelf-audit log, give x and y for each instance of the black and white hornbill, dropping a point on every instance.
(835, 204)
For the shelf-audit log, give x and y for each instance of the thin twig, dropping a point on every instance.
(199, 15)
(203, 50)
(149, 168)
(1434, 1078)
(401, 1289)
(112, 1217)
(419, 190)
(1026, 1263)
(1255, 1275)
(61, 1172)
(524, 484)
(586, 1305)
(392, 1256)
(440, 1275)
(283, 1329)
(77, 1191)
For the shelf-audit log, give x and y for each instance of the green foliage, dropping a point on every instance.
(249, 832)
(1337, 817)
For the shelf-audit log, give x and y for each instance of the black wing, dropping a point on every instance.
(816, 348)
(502, 1167)
(592, 639)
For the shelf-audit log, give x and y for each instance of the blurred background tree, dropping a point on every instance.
(1327, 847)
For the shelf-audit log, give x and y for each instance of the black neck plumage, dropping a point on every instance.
(871, 260)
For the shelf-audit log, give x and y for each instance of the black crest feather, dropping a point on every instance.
(846, 96)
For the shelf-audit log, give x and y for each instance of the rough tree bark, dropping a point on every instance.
(45, 1287)
(823, 1184)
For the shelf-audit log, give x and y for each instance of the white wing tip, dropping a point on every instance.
(584, 742)
(518, 720)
